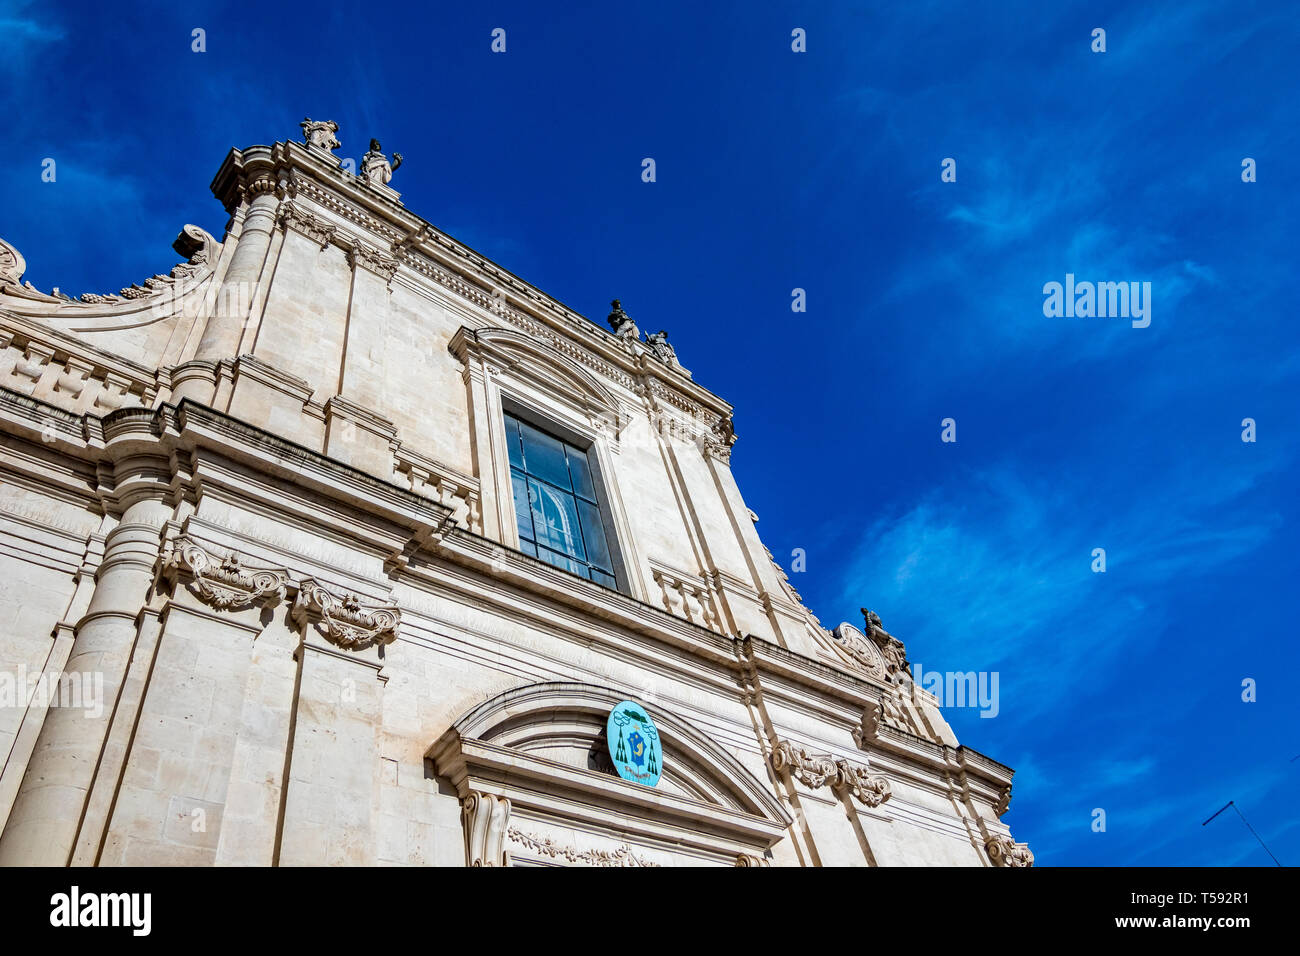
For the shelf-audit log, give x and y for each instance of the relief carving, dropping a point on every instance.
(345, 620)
(717, 443)
(860, 651)
(1004, 851)
(820, 770)
(313, 227)
(620, 856)
(224, 583)
(372, 259)
(812, 770)
(12, 265)
(868, 788)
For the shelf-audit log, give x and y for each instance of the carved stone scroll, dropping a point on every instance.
(313, 227)
(812, 770)
(224, 582)
(345, 620)
(1004, 851)
(820, 770)
(485, 817)
(867, 788)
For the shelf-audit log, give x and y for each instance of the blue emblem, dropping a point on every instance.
(633, 743)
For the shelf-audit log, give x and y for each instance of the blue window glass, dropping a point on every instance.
(556, 507)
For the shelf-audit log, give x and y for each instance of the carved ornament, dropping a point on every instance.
(225, 582)
(620, 856)
(345, 620)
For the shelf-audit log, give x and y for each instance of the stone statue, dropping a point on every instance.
(891, 648)
(375, 168)
(318, 133)
(658, 343)
(622, 323)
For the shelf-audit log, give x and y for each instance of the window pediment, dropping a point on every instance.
(536, 362)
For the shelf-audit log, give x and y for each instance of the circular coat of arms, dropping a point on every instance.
(634, 743)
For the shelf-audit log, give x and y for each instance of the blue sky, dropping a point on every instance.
(821, 170)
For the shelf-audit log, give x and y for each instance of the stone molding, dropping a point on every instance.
(482, 753)
(815, 771)
(344, 620)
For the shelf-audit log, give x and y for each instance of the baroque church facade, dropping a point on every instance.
(341, 545)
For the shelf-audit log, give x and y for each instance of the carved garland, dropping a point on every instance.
(818, 770)
(622, 856)
(346, 621)
(225, 583)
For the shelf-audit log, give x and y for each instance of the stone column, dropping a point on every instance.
(234, 302)
(42, 828)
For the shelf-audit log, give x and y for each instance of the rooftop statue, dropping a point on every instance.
(622, 323)
(320, 133)
(375, 168)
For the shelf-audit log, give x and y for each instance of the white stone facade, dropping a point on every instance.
(257, 513)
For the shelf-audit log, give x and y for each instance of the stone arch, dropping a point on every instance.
(528, 747)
